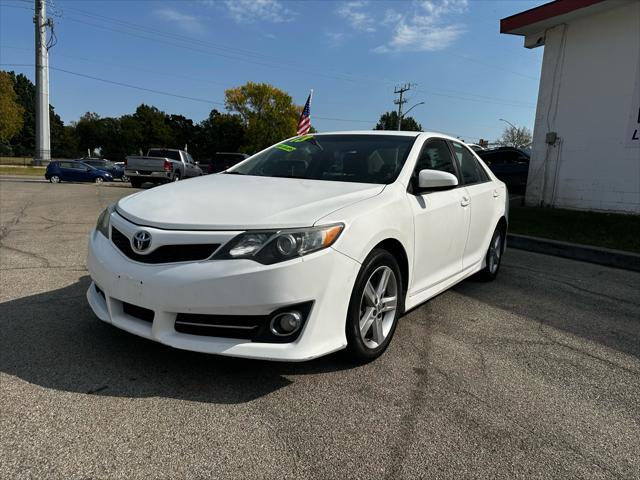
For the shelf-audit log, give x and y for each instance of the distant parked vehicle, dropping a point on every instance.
(222, 161)
(475, 147)
(108, 166)
(161, 165)
(509, 164)
(75, 171)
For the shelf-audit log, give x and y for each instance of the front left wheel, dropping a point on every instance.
(99, 180)
(375, 307)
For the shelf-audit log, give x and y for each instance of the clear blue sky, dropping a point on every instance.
(351, 53)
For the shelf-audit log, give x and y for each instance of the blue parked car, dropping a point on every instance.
(108, 166)
(75, 171)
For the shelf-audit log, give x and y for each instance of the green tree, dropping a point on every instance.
(11, 112)
(220, 132)
(153, 127)
(514, 136)
(23, 143)
(90, 132)
(389, 121)
(184, 132)
(268, 114)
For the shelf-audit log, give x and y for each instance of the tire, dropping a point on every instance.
(124, 178)
(493, 257)
(176, 177)
(367, 307)
(55, 179)
(98, 180)
(136, 182)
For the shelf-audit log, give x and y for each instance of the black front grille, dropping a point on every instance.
(138, 312)
(164, 253)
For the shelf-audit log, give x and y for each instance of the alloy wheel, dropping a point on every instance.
(54, 179)
(378, 306)
(495, 252)
(99, 180)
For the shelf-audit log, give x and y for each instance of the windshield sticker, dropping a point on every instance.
(286, 148)
(301, 139)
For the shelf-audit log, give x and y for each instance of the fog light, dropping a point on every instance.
(286, 323)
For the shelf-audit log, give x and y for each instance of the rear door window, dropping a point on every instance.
(470, 169)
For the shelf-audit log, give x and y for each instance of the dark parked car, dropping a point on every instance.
(75, 171)
(108, 166)
(222, 161)
(511, 165)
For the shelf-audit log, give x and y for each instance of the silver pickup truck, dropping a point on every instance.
(161, 165)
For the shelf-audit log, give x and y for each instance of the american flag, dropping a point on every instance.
(304, 124)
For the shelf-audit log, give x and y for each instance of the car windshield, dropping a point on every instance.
(342, 158)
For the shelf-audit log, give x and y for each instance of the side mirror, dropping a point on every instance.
(436, 180)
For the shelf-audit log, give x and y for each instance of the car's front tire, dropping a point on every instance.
(98, 180)
(54, 179)
(375, 307)
(493, 257)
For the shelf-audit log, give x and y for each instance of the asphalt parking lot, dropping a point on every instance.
(536, 375)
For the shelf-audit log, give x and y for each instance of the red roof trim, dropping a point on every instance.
(543, 12)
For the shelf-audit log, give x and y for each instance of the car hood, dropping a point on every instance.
(238, 202)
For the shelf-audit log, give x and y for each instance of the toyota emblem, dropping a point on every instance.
(141, 241)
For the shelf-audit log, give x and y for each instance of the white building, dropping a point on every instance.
(586, 139)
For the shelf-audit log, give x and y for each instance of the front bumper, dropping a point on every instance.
(224, 287)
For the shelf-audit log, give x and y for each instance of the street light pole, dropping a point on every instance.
(405, 113)
(507, 121)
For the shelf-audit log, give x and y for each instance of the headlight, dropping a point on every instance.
(104, 220)
(273, 246)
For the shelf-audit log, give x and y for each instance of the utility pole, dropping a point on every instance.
(43, 141)
(401, 101)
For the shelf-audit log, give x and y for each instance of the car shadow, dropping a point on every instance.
(54, 340)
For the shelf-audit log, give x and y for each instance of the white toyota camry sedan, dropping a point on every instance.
(316, 244)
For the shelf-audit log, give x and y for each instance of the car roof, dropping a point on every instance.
(400, 133)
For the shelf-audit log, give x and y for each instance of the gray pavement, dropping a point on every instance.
(536, 375)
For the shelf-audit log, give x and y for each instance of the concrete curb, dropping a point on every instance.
(598, 255)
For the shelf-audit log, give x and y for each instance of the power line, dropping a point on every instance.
(121, 84)
(192, 78)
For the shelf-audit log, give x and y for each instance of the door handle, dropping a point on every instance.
(496, 194)
(465, 201)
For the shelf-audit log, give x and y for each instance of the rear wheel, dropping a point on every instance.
(374, 308)
(54, 179)
(494, 256)
(136, 183)
(176, 177)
